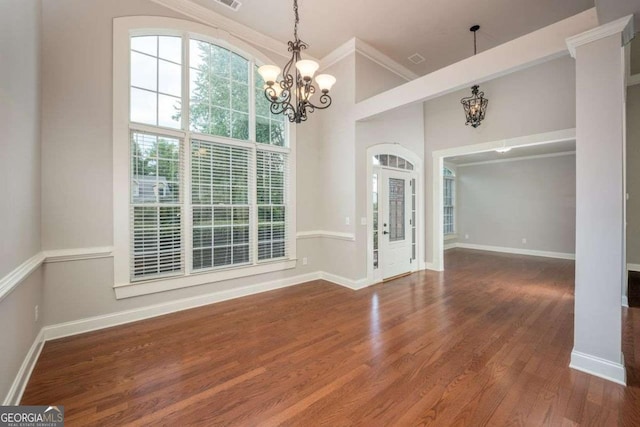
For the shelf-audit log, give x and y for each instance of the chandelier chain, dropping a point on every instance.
(475, 45)
(295, 27)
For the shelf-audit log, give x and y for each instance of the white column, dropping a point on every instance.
(600, 201)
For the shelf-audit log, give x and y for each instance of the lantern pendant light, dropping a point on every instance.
(475, 106)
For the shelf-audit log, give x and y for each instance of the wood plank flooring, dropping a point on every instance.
(485, 343)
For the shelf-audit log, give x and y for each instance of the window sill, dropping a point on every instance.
(128, 290)
(450, 236)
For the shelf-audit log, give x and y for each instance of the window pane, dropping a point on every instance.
(144, 71)
(220, 58)
(169, 111)
(145, 44)
(199, 53)
(170, 78)
(155, 169)
(396, 209)
(239, 69)
(262, 130)
(159, 77)
(220, 92)
(240, 125)
(218, 87)
(240, 97)
(144, 106)
(171, 48)
(278, 133)
(200, 115)
(220, 122)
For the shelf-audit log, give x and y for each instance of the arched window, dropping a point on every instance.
(201, 133)
(449, 201)
(392, 161)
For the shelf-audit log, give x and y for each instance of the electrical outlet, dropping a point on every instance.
(305, 261)
(36, 313)
(466, 236)
(524, 240)
(347, 221)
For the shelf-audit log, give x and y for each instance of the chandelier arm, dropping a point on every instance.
(325, 102)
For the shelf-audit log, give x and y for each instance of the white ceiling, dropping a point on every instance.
(533, 150)
(436, 29)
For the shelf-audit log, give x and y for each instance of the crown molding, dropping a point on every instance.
(216, 20)
(624, 26)
(370, 52)
(517, 159)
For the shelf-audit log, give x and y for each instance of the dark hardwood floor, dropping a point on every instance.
(485, 343)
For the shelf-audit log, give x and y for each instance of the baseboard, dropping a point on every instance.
(517, 251)
(14, 395)
(625, 301)
(431, 266)
(343, 281)
(114, 319)
(633, 267)
(450, 246)
(599, 367)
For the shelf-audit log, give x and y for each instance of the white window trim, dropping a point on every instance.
(123, 29)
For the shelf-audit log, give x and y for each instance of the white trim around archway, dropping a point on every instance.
(438, 162)
(418, 171)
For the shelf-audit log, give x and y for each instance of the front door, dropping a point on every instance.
(395, 238)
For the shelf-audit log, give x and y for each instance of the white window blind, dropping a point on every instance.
(220, 204)
(271, 181)
(156, 206)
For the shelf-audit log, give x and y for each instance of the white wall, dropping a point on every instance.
(373, 79)
(536, 100)
(499, 204)
(77, 166)
(343, 157)
(404, 127)
(20, 175)
(19, 116)
(633, 174)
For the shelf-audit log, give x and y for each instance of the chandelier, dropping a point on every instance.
(290, 94)
(475, 106)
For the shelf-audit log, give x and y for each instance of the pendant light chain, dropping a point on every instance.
(475, 44)
(295, 27)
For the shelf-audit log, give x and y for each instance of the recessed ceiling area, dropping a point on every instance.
(514, 153)
(436, 29)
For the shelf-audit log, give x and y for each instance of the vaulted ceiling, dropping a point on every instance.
(436, 29)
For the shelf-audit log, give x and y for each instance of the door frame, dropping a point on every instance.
(436, 210)
(375, 275)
